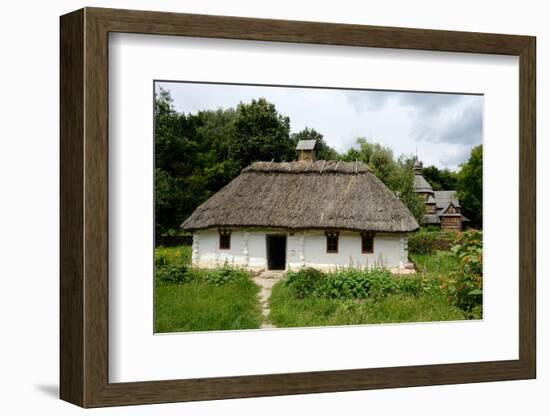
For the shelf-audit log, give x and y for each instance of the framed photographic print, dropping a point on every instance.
(255, 207)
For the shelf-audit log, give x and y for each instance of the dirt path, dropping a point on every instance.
(266, 280)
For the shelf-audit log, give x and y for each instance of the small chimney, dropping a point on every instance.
(306, 151)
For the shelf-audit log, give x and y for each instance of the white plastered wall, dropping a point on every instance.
(304, 248)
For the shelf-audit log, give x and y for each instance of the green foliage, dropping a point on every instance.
(226, 274)
(379, 159)
(172, 273)
(440, 179)
(352, 283)
(289, 311)
(180, 273)
(470, 187)
(465, 285)
(261, 133)
(303, 282)
(172, 266)
(422, 242)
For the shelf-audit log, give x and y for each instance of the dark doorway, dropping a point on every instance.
(276, 252)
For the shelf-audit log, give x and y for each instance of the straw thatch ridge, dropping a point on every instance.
(315, 195)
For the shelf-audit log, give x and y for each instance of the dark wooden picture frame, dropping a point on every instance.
(84, 207)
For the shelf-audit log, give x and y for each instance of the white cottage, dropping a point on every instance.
(323, 214)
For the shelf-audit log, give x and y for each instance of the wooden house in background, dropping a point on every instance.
(442, 207)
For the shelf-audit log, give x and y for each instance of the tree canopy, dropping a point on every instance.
(440, 179)
(470, 187)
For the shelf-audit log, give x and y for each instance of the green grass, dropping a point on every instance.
(288, 311)
(203, 306)
(442, 262)
(200, 306)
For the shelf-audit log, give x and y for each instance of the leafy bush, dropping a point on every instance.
(422, 242)
(351, 283)
(304, 282)
(225, 274)
(344, 284)
(172, 273)
(465, 286)
(179, 273)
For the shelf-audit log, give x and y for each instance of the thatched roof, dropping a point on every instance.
(305, 195)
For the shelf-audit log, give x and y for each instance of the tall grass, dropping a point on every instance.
(439, 263)
(189, 299)
(289, 311)
(200, 306)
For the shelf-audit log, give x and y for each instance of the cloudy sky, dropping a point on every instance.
(440, 128)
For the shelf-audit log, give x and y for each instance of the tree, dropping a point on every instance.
(322, 150)
(379, 158)
(175, 150)
(470, 187)
(261, 133)
(217, 134)
(440, 179)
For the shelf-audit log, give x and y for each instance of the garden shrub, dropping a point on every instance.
(303, 282)
(347, 283)
(465, 286)
(180, 273)
(351, 283)
(225, 274)
(422, 242)
(172, 273)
